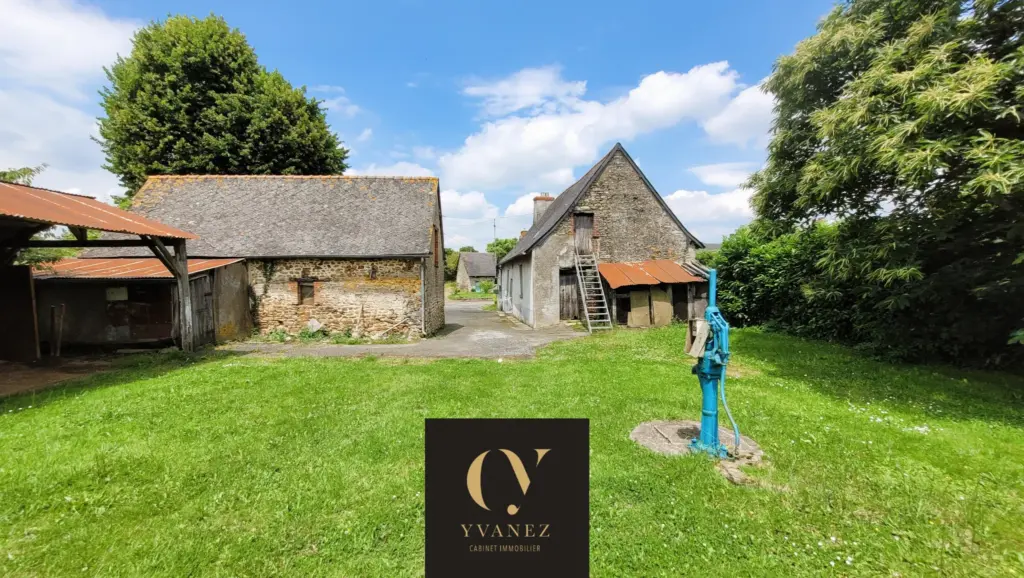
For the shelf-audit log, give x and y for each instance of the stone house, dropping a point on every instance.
(363, 254)
(613, 222)
(474, 268)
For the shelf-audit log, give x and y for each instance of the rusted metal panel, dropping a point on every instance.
(146, 268)
(57, 208)
(645, 273)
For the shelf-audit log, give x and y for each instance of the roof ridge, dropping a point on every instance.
(394, 177)
(48, 190)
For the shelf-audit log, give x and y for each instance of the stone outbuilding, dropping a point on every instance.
(475, 268)
(609, 250)
(359, 254)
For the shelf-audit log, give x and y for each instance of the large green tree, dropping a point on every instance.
(501, 247)
(902, 120)
(191, 98)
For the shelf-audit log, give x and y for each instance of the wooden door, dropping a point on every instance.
(568, 295)
(584, 224)
(202, 309)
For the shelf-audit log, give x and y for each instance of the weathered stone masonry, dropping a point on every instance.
(629, 225)
(365, 296)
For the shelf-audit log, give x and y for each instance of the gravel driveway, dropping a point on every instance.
(470, 332)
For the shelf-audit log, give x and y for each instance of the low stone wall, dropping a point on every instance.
(365, 296)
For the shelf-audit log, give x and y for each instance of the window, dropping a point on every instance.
(520, 280)
(306, 292)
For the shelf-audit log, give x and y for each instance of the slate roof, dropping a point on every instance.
(479, 264)
(567, 200)
(291, 216)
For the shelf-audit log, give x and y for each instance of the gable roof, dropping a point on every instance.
(292, 216)
(570, 196)
(479, 264)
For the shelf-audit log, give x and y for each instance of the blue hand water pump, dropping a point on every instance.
(710, 370)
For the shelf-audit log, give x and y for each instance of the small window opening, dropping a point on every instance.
(373, 272)
(306, 292)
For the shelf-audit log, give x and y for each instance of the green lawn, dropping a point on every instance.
(247, 466)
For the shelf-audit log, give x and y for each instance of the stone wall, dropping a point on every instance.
(433, 278)
(629, 225)
(365, 296)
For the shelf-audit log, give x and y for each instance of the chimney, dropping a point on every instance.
(540, 204)
(522, 234)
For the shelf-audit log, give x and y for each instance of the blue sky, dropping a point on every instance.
(499, 100)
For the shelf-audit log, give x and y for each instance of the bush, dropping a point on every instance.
(780, 282)
(487, 286)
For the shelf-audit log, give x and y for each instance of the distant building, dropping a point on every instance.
(474, 268)
(354, 253)
(608, 250)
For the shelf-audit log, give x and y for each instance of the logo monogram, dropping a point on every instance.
(473, 482)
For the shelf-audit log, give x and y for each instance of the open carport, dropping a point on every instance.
(26, 211)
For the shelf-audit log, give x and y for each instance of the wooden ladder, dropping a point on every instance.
(595, 307)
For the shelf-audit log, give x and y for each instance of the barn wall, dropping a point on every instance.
(19, 339)
(231, 300)
(433, 281)
(362, 295)
(130, 312)
(517, 289)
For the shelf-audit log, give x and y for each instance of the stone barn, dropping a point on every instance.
(475, 268)
(606, 251)
(359, 254)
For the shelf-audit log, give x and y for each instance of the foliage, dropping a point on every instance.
(39, 257)
(22, 175)
(501, 247)
(861, 451)
(486, 286)
(191, 98)
(36, 256)
(451, 264)
(467, 249)
(902, 121)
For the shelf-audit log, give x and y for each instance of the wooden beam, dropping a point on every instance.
(65, 244)
(80, 233)
(160, 250)
(180, 271)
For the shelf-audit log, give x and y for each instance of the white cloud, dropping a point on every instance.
(530, 88)
(559, 130)
(340, 103)
(399, 169)
(522, 206)
(59, 44)
(365, 135)
(424, 153)
(52, 55)
(747, 118)
(724, 174)
(471, 205)
(711, 216)
(469, 219)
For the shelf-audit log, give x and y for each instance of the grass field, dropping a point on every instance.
(245, 466)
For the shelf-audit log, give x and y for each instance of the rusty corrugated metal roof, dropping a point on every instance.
(147, 268)
(645, 273)
(56, 208)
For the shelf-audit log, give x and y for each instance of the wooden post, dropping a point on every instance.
(184, 296)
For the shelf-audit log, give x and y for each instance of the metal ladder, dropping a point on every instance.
(595, 307)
